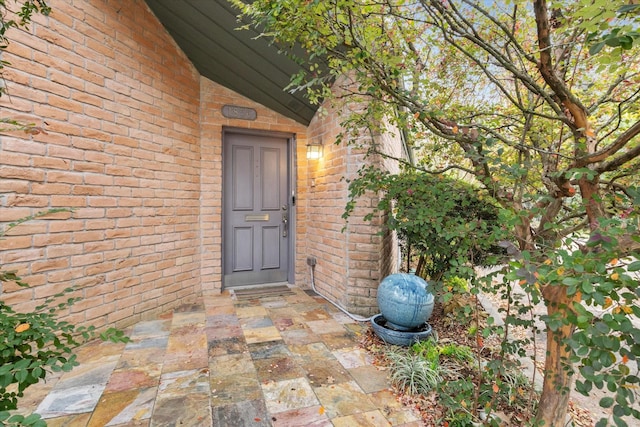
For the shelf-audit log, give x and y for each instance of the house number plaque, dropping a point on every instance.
(235, 112)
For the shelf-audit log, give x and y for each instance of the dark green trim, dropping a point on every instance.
(206, 31)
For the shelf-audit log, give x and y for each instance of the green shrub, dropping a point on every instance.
(461, 353)
(449, 223)
(428, 350)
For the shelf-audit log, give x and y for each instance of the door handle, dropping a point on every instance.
(285, 224)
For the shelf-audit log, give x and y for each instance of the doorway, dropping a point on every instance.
(257, 208)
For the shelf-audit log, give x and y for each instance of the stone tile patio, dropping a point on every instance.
(278, 361)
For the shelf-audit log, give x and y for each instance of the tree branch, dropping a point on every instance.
(578, 111)
(613, 148)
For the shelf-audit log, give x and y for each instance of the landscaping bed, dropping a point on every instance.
(513, 398)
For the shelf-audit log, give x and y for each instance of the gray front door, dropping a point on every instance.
(256, 213)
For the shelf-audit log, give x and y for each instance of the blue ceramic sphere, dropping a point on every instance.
(405, 301)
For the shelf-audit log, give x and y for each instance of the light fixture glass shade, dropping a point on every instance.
(314, 151)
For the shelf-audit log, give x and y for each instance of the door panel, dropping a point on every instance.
(255, 239)
(270, 168)
(243, 251)
(242, 181)
(270, 247)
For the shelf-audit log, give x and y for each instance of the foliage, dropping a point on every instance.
(609, 24)
(412, 373)
(469, 380)
(431, 351)
(24, 15)
(521, 99)
(458, 304)
(35, 343)
(440, 217)
(20, 19)
(605, 292)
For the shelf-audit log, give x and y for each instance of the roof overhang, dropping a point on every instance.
(206, 30)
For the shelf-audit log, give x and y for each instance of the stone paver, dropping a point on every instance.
(277, 361)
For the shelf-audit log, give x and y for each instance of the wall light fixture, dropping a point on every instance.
(314, 149)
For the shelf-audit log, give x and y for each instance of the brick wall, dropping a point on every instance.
(351, 262)
(119, 103)
(132, 141)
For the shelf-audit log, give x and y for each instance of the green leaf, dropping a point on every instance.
(583, 387)
(38, 372)
(596, 48)
(15, 419)
(571, 281)
(32, 419)
(634, 266)
(606, 402)
(619, 422)
(628, 8)
(618, 411)
(21, 376)
(612, 41)
(587, 287)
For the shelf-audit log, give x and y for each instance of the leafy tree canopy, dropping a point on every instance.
(536, 102)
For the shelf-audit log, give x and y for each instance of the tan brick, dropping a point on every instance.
(121, 314)
(99, 224)
(16, 242)
(97, 269)
(88, 75)
(69, 225)
(90, 167)
(127, 242)
(88, 236)
(51, 239)
(58, 251)
(98, 135)
(86, 259)
(50, 188)
(100, 311)
(118, 170)
(67, 201)
(102, 201)
(20, 300)
(50, 163)
(88, 213)
(22, 146)
(87, 190)
(25, 200)
(94, 286)
(14, 186)
(66, 152)
(46, 85)
(10, 172)
(49, 290)
(87, 143)
(97, 157)
(46, 265)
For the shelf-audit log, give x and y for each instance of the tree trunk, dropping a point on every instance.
(552, 408)
(554, 400)
(420, 267)
(591, 198)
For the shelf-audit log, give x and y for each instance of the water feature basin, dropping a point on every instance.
(397, 337)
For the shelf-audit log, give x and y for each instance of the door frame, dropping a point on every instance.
(291, 190)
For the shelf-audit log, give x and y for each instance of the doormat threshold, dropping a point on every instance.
(262, 292)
